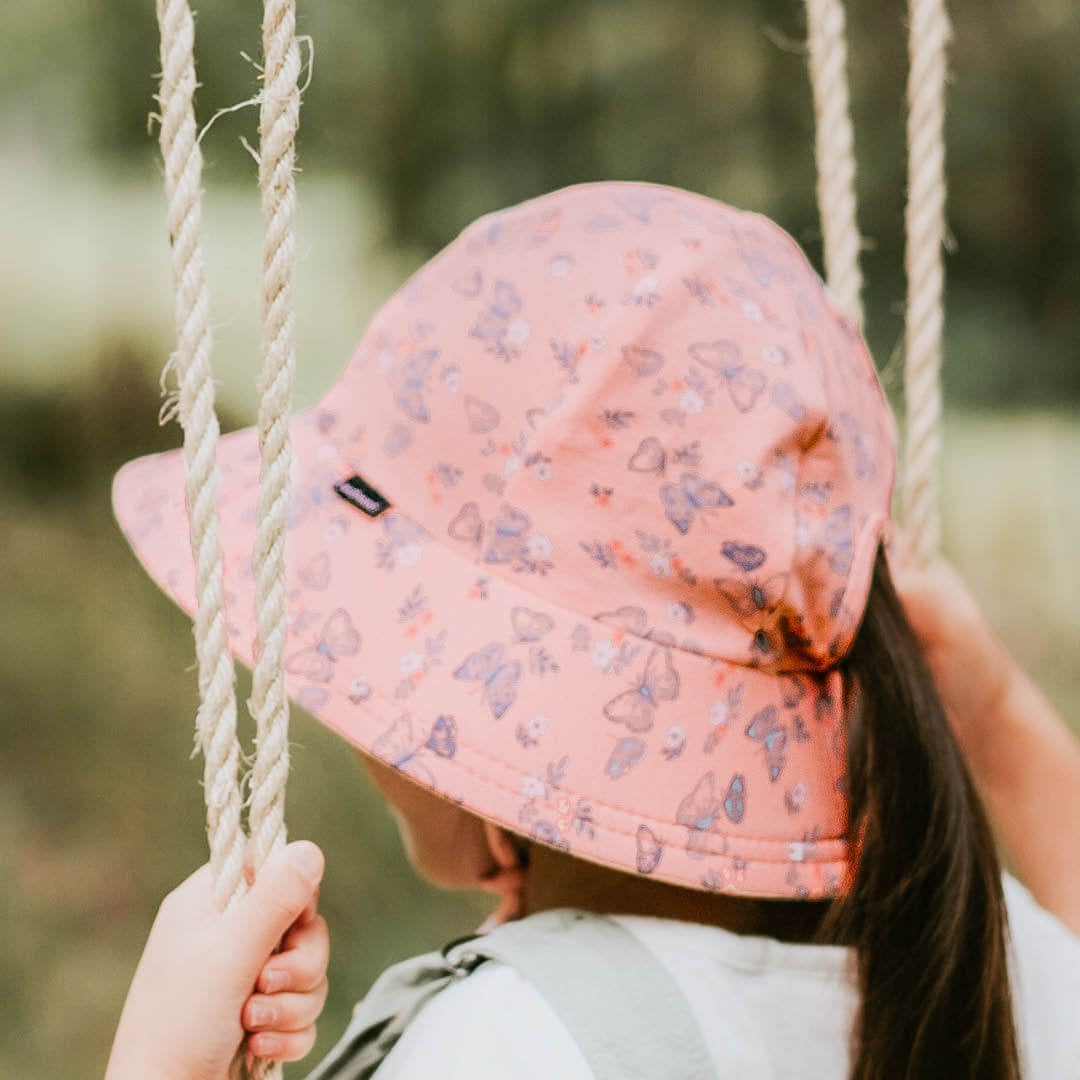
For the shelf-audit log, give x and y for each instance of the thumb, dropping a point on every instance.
(283, 888)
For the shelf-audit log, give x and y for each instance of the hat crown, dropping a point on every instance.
(642, 405)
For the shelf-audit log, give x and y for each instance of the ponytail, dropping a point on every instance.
(925, 911)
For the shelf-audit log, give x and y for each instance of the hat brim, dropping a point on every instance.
(463, 681)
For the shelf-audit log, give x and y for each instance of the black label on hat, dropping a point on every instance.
(362, 495)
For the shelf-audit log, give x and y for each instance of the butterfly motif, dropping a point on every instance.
(402, 532)
(530, 625)
(467, 525)
(700, 810)
(650, 850)
(801, 731)
(793, 690)
(338, 638)
(795, 798)
(443, 737)
(483, 417)
(400, 749)
(771, 732)
(494, 324)
(315, 574)
(746, 557)
(723, 358)
(398, 439)
(649, 457)
(312, 698)
(410, 384)
(636, 707)
(717, 356)
(723, 714)
(627, 753)
(643, 362)
(839, 541)
(628, 617)
(682, 502)
(497, 675)
(507, 542)
(755, 597)
(469, 285)
(862, 445)
(783, 395)
(744, 386)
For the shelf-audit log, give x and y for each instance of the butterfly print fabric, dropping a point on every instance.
(636, 467)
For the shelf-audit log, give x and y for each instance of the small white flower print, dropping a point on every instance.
(532, 787)
(646, 290)
(531, 731)
(775, 355)
(561, 266)
(680, 611)
(539, 546)
(411, 662)
(719, 714)
(660, 564)
(409, 555)
(604, 653)
(674, 741)
(691, 402)
(511, 466)
(752, 310)
(517, 333)
(359, 689)
(747, 471)
(451, 377)
(542, 470)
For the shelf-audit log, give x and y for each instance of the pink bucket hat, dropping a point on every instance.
(579, 535)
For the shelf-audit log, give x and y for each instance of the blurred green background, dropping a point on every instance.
(420, 117)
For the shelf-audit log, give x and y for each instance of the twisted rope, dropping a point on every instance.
(279, 120)
(216, 719)
(834, 149)
(925, 225)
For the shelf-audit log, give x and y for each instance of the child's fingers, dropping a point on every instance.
(301, 964)
(281, 893)
(282, 1045)
(284, 1013)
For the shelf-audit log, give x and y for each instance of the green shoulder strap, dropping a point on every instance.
(619, 1003)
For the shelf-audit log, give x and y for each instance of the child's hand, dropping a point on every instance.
(1023, 758)
(972, 670)
(205, 976)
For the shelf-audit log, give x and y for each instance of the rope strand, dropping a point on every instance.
(834, 148)
(269, 704)
(925, 318)
(278, 123)
(216, 719)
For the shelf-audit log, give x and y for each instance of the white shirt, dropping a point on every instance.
(767, 1009)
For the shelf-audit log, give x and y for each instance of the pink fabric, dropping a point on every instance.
(638, 467)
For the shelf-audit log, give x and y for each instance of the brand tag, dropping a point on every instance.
(362, 495)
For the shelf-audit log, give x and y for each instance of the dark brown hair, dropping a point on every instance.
(925, 911)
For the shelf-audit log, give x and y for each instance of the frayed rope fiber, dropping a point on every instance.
(216, 735)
